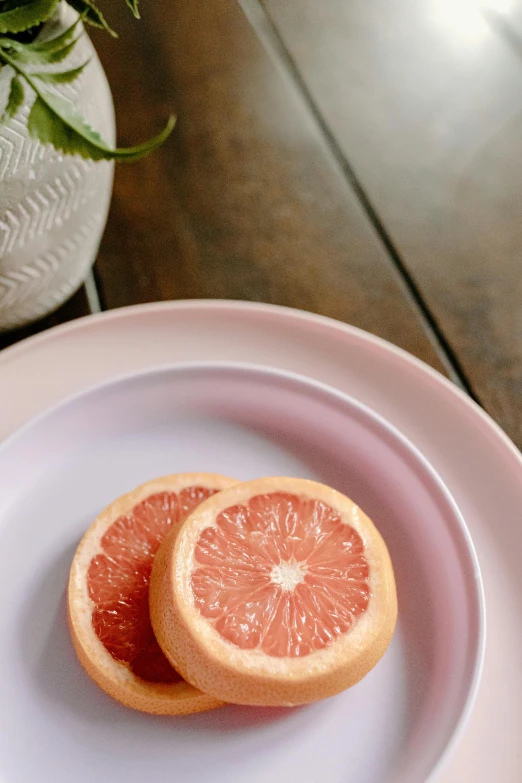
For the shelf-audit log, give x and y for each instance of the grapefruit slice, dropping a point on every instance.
(108, 595)
(278, 591)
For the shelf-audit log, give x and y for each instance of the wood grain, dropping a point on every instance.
(424, 99)
(246, 201)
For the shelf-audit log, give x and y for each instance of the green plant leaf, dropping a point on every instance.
(56, 121)
(92, 14)
(23, 53)
(15, 100)
(133, 5)
(26, 14)
(53, 120)
(62, 77)
(41, 53)
(54, 44)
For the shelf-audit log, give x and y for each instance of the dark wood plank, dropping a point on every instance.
(424, 100)
(246, 200)
(76, 307)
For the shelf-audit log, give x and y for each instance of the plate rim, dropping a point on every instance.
(335, 337)
(268, 309)
(459, 531)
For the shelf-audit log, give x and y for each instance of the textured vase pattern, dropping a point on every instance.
(53, 207)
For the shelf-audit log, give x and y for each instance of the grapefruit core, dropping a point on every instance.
(278, 591)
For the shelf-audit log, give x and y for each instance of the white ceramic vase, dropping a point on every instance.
(53, 207)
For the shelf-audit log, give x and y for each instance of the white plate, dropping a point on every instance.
(478, 463)
(64, 467)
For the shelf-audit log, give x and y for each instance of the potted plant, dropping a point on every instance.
(56, 153)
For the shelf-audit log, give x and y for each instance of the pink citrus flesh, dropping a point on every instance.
(276, 591)
(108, 597)
(281, 574)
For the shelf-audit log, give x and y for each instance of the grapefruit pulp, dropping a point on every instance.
(108, 595)
(278, 591)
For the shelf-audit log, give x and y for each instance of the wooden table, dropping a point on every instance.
(356, 158)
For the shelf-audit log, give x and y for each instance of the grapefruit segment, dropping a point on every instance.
(274, 592)
(282, 574)
(108, 594)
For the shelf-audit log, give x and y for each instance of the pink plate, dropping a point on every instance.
(66, 465)
(478, 463)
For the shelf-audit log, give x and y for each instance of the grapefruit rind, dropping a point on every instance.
(115, 677)
(249, 676)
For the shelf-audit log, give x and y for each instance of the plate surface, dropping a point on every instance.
(61, 469)
(478, 463)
